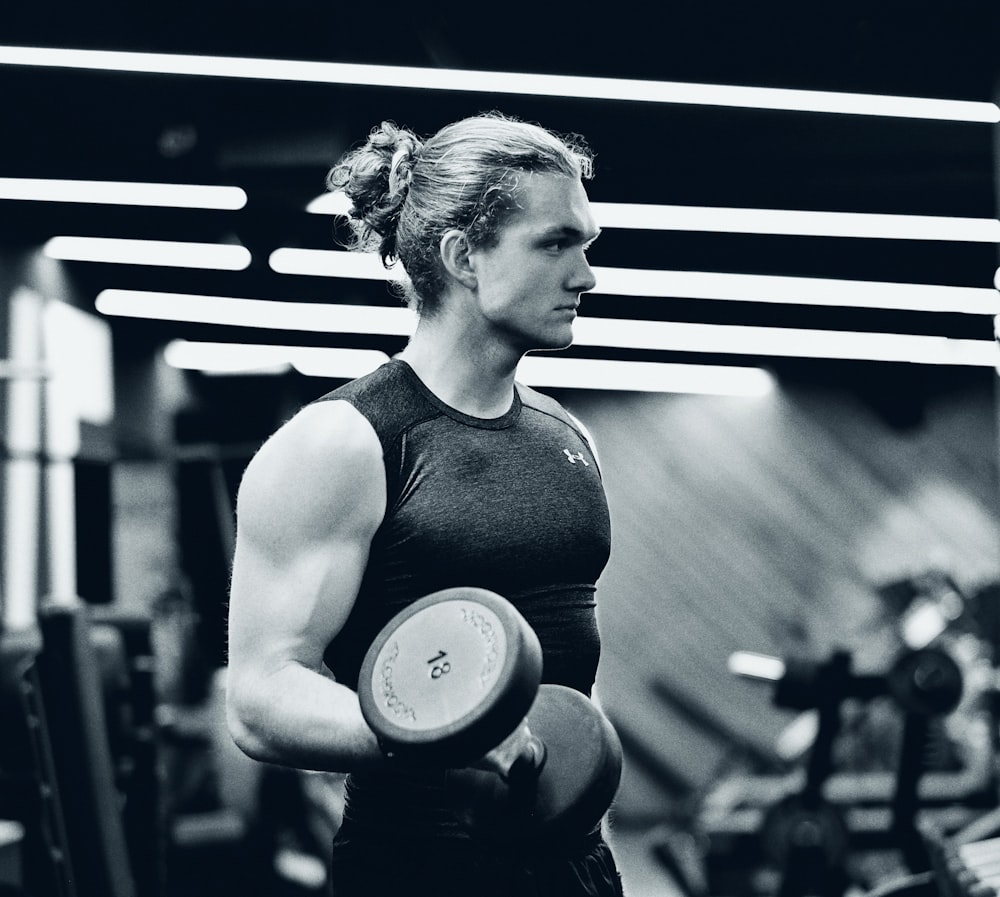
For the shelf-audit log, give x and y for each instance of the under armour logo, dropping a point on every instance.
(573, 457)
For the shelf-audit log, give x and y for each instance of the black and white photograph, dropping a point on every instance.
(499, 450)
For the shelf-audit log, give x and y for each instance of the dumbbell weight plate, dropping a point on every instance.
(574, 788)
(449, 677)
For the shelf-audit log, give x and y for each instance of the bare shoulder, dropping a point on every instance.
(322, 468)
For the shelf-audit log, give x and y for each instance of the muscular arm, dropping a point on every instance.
(309, 503)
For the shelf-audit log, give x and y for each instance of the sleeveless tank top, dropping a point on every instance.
(513, 504)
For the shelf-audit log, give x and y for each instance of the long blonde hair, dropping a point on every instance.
(407, 192)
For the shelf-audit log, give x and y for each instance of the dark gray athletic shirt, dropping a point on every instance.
(513, 504)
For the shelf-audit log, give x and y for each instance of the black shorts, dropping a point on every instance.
(367, 865)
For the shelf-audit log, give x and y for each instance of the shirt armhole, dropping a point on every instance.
(586, 435)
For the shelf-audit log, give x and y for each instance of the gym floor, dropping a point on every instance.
(642, 873)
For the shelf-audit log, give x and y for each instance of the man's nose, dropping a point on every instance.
(583, 277)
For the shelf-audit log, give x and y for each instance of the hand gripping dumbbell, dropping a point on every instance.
(454, 682)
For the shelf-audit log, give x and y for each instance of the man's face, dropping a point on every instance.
(529, 283)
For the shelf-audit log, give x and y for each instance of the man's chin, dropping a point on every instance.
(553, 341)
(560, 341)
(551, 346)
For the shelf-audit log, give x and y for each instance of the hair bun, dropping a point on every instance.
(399, 148)
(376, 178)
(401, 170)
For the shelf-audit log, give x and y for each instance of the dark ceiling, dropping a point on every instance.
(277, 139)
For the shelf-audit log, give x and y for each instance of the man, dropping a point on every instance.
(436, 470)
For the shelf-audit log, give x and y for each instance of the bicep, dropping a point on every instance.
(288, 610)
(308, 507)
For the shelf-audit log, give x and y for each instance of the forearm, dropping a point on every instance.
(298, 717)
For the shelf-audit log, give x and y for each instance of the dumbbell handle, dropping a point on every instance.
(518, 758)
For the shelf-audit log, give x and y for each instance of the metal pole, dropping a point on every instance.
(20, 427)
(60, 442)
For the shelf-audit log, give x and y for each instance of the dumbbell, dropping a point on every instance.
(453, 682)
(924, 681)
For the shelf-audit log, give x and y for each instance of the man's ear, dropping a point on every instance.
(454, 248)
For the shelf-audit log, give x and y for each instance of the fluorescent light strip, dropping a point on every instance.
(572, 373)
(639, 216)
(589, 88)
(334, 202)
(732, 339)
(797, 290)
(122, 193)
(796, 222)
(331, 263)
(240, 358)
(264, 313)
(695, 285)
(644, 376)
(217, 256)
(723, 339)
(227, 358)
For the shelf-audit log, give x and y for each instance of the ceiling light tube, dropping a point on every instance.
(790, 222)
(695, 285)
(573, 373)
(334, 202)
(590, 88)
(345, 364)
(732, 339)
(271, 314)
(122, 193)
(796, 290)
(241, 358)
(226, 358)
(665, 336)
(644, 376)
(216, 256)
(331, 263)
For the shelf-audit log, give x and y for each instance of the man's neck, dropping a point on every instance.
(460, 370)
